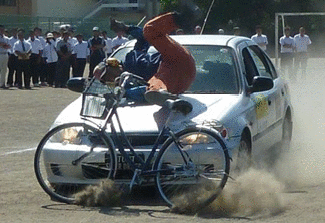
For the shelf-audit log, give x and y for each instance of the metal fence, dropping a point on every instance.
(51, 23)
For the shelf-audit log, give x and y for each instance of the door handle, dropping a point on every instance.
(269, 102)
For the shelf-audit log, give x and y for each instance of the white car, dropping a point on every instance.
(237, 91)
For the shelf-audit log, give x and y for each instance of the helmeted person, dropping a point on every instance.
(172, 68)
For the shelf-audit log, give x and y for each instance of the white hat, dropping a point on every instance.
(49, 35)
(95, 28)
(221, 31)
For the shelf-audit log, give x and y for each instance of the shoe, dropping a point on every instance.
(4, 87)
(36, 85)
(19, 87)
(28, 87)
(159, 97)
(118, 26)
(43, 84)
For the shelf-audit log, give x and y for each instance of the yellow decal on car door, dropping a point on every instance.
(261, 106)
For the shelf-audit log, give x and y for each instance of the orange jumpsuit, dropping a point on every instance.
(177, 69)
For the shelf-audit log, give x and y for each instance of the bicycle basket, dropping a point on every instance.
(94, 103)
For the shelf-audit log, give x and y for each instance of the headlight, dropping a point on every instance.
(217, 126)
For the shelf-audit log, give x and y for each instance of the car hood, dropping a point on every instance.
(150, 118)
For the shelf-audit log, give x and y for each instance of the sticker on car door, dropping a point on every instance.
(261, 106)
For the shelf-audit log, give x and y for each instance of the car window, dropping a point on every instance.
(215, 68)
(260, 61)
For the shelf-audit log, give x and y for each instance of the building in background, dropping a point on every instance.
(80, 14)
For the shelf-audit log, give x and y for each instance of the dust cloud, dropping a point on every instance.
(259, 192)
(106, 194)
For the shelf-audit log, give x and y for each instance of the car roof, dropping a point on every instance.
(220, 40)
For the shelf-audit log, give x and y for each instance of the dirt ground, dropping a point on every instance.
(291, 190)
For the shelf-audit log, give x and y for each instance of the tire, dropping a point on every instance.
(55, 163)
(243, 158)
(202, 179)
(286, 131)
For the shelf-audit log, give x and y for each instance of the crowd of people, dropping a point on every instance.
(51, 59)
(293, 51)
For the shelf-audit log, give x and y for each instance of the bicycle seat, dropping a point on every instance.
(179, 105)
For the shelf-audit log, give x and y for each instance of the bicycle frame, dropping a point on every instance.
(146, 165)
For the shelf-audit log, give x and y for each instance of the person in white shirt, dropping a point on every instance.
(81, 52)
(23, 49)
(35, 58)
(108, 49)
(42, 69)
(13, 60)
(119, 40)
(4, 47)
(301, 41)
(287, 47)
(260, 38)
(51, 58)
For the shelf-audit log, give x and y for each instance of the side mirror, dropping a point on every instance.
(76, 84)
(261, 84)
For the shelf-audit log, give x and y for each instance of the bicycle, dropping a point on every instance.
(73, 155)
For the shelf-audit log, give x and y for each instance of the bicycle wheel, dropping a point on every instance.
(72, 156)
(192, 174)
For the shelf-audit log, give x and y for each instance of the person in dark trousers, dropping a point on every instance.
(64, 50)
(35, 58)
(13, 60)
(23, 49)
(96, 45)
(81, 52)
(51, 58)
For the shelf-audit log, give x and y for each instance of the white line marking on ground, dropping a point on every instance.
(17, 151)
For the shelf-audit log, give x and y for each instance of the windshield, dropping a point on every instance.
(215, 69)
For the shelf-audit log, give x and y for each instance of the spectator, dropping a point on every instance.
(197, 30)
(260, 38)
(4, 47)
(301, 41)
(180, 32)
(73, 41)
(81, 52)
(96, 45)
(35, 58)
(13, 60)
(23, 49)
(221, 32)
(42, 69)
(56, 35)
(119, 40)
(50, 57)
(64, 50)
(237, 31)
(286, 53)
(108, 49)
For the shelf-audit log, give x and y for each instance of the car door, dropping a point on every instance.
(267, 103)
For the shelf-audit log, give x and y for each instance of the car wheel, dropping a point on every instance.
(286, 132)
(242, 157)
